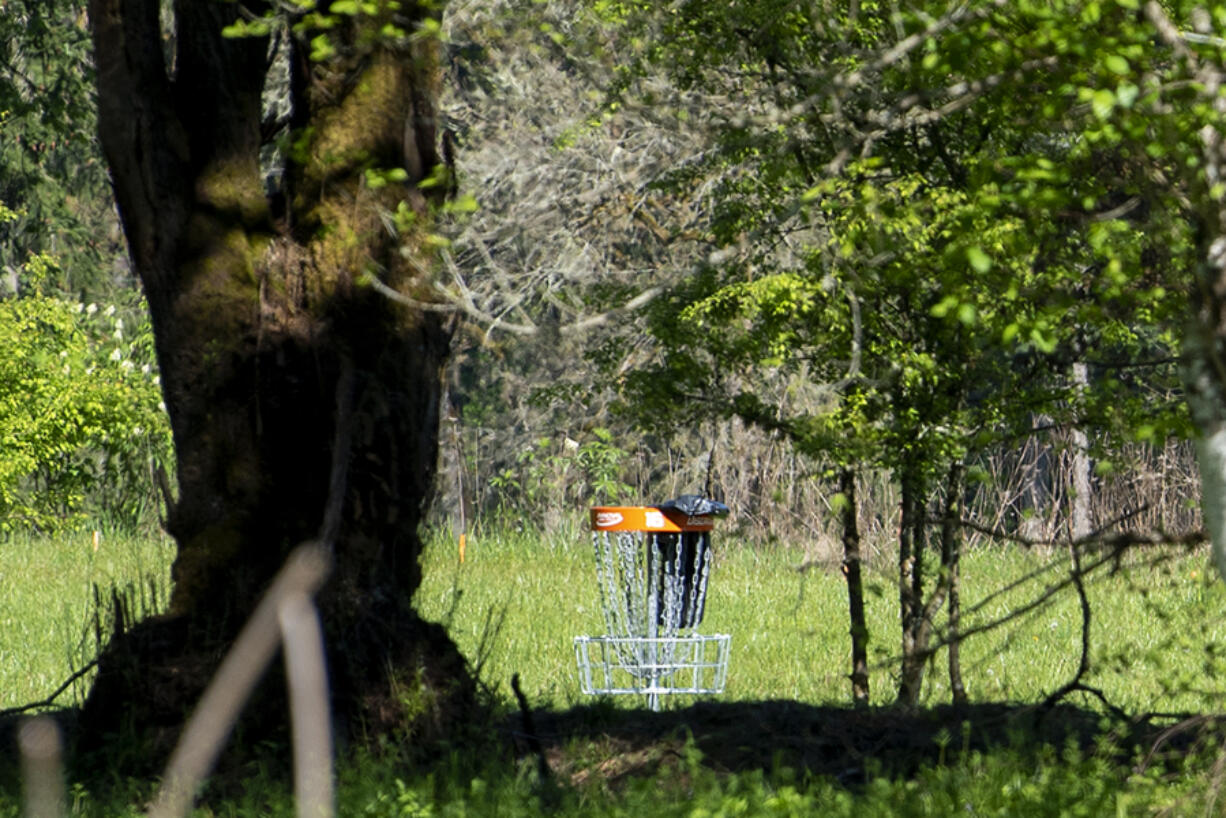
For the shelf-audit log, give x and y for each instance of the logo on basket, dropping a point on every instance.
(604, 518)
(653, 519)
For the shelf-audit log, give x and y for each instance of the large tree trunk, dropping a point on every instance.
(304, 405)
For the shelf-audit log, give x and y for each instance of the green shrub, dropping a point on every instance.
(81, 421)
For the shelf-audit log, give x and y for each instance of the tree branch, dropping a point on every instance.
(144, 142)
(50, 700)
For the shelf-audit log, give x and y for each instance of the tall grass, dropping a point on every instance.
(518, 599)
(47, 604)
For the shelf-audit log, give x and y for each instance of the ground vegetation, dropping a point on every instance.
(783, 735)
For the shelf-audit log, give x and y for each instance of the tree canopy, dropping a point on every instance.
(936, 230)
(54, 191)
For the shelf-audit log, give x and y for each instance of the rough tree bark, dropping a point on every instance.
(919, 614)
(1080, 485)
(852, 570)
(951, 558)
(911, 542)
(304, 405)
(1205, 338)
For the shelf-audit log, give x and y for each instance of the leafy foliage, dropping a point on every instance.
(926, 246)
(80, 421)
(54, 192)
(929, 159)
(932, 223)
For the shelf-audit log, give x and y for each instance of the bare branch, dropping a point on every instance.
(640, 300)
(1167, 31)
(50, 700)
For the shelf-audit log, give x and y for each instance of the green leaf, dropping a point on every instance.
(1042, 341)
(1116, 64)
(245, 28)
(375, 179)
(321, 48)
(1102, 102)
(979, 260)
(464, 203)
(439, 175)
(429, 28)
(943, 307)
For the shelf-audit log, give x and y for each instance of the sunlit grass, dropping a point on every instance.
(519, 599)
(516, 602)
(47, 605)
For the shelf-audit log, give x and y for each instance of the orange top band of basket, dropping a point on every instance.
(647, 518)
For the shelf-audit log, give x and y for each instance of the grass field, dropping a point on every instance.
(516, 602)
(47, 604)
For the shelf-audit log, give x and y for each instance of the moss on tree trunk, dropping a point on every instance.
(304, 405)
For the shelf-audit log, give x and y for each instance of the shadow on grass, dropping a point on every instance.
(601, 747)
(846, 745)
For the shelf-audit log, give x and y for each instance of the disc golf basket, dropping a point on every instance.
(652, 566)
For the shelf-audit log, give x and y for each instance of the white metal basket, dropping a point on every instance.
(652, 568)
(617, 665)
